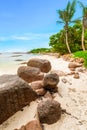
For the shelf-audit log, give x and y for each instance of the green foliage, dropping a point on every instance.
(82, 54)
(58, 43)
(84, 9)
(65, 17)
(40, 50)
(67, 14)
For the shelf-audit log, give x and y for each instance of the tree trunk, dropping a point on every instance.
(83, 29)
(67, 44)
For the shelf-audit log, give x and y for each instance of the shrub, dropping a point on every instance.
(40, 50)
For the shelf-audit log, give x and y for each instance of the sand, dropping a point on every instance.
(72, 96)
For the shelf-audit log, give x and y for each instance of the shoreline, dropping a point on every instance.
(11, 61)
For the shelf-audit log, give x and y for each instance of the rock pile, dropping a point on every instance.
(74, 65)
(43, 83)
(36, 73)
(31, 81)
(34, 70)
(49, 83)
(78, 60)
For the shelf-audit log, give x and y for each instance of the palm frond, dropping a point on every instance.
(81, 4)
(62, 14)
(75, 21)
(67, 14)
(59, 22)
(84, 8)
(68, 6)
(72, 9)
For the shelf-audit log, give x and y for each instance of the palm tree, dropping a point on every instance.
(84, 22)
(66, 16)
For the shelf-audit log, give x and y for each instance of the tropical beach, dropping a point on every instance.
(71, 94)
(43, 65)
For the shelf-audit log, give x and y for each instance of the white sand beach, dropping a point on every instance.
(72, 96)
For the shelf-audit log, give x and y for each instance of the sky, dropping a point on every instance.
(28, 24)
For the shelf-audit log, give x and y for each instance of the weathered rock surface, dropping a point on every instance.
(49, 111)
(38, 87)
(58, 72)
(30, 74)
(37, 84)
(48, 95)
(79, 60)
(72, 69)
(50, 81)
(15, 93)
(71, 73)
(42, 64)
(82, 70)
(76, 75)
(74, 65)
(32, 125)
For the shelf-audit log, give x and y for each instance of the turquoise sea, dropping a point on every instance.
(10, 61)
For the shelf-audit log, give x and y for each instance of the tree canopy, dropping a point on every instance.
(70, 38)
(57, 41)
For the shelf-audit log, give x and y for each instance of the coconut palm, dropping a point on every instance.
(66, 16)
(84, 22)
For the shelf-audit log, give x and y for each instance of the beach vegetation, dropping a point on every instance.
(65, 17)
(81, 54)
(58, 41)
(40, 50)
(73, 36)
(84, 22)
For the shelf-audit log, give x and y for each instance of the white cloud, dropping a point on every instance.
(38, 35)
(23, 38)
(26, 37)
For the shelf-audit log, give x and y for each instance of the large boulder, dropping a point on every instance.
(38, 87)
(50, 81)
(49, 111)
(30, 74)
(74, 65)
(32, 125)
(42, 64)
(15, 93)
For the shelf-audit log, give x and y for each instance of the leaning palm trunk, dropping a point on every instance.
(67, 44)
(66, 16)
(83, 30)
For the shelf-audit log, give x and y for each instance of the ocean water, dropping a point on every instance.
(9, 62)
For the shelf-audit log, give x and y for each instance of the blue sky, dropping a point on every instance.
(27, 24)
